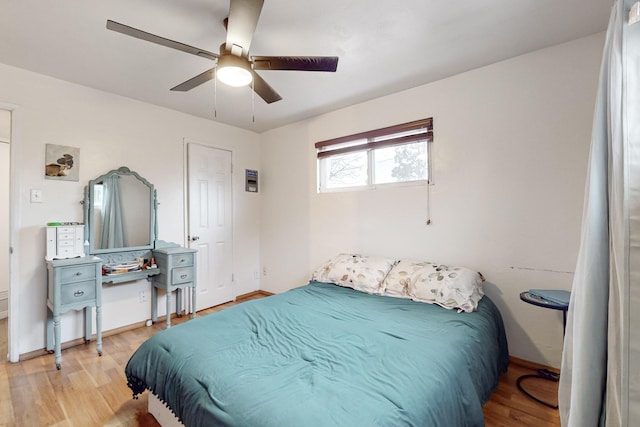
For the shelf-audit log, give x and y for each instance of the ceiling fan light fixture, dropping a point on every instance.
(233, 70)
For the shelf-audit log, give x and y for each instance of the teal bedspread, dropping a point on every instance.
(322, 355)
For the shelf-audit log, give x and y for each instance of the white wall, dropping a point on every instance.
(111, 131)
(509, 157)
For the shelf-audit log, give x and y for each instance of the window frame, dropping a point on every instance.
(419, 130)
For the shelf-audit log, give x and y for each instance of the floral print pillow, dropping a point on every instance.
(449, 287)
(396, 284)
(362, 273)
(322, 273)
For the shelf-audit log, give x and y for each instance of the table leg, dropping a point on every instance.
(168, 308)
(179, 302)
(99, 329)
(193, 302)
(50, 340)
(87, 325)
(56, 333)
(543, 374)
(154, 304)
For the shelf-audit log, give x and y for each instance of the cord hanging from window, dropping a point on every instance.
(428, 221)
(430, 176)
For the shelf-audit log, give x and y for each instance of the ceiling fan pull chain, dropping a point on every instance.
(253, 99)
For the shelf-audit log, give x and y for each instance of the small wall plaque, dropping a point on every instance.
(251, 181)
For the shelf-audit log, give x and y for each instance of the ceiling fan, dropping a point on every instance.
(234, 66)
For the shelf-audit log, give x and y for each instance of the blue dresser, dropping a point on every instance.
(73, 284)
(177, 272)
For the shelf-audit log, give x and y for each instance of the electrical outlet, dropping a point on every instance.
(256, 274)
(264, 271)
(142, 297)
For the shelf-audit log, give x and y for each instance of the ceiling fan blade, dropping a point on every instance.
(263, 89)
(241, 24)
(143, 35)
(297, 63)
(195, 81)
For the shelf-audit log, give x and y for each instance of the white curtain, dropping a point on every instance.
(113, 233)
(599, 373)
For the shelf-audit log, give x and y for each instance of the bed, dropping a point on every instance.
(327, 355)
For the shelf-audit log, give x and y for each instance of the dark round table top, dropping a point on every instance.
(541, 302)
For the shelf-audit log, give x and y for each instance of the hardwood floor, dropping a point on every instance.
(4, 332)
(92, 390)
(509, 407)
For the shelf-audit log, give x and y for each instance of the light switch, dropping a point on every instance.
(36, 196)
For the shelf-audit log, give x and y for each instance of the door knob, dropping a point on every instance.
(194, 238)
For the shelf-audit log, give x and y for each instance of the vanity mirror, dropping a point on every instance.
(121, 226)
(120, 212)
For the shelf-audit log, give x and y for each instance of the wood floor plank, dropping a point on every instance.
(92, 390)
(6, 406)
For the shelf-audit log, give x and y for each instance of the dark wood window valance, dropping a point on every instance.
(405, 133)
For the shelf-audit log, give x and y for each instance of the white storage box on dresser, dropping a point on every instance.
(65, 241)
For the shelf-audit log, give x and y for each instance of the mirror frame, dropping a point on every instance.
(89, 213)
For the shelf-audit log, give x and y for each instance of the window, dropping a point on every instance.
(98, 195)
(394, 154)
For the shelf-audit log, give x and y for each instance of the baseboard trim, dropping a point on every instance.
(531, 365)
(253, 294)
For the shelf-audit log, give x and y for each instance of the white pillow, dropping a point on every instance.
(449, 287)
(362, 273)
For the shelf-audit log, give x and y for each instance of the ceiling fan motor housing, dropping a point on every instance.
(234, 70)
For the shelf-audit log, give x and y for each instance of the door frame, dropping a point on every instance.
(185, 192)
(13, 346)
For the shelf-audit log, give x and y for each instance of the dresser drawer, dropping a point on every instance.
(77, 273)
(67, 243)
(65, 252)
(78, 292)
(182, 260)
(66, 230)
(181, 275)
(66, 236)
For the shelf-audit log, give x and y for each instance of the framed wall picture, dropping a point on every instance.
(62, 163)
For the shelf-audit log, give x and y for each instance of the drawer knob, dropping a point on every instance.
(78, 293)
(184, 276)
(79, 273)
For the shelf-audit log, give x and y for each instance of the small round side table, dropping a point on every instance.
(544, 374)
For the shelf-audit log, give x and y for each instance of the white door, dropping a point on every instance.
(210, 222)
(5, 193)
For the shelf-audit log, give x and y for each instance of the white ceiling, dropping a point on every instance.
(384, 47)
